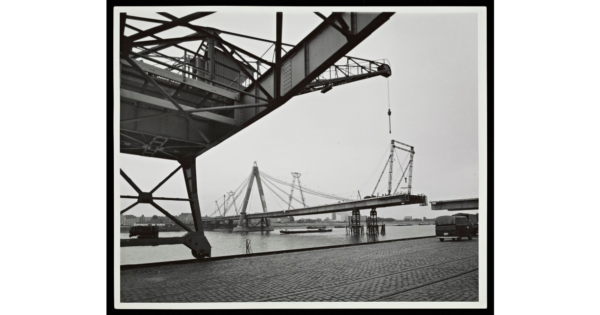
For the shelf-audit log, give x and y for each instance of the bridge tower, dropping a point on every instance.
(244, 224)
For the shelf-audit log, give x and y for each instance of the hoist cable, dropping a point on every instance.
(396, 152)
(389, 106)
(400, 181)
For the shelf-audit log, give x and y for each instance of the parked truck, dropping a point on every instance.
(473, 218)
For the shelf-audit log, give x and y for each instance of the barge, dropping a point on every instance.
(304, 231)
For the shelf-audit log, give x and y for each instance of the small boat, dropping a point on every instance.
(303, 231)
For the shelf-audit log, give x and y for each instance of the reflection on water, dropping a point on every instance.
(229, 243)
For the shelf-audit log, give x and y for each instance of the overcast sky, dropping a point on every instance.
(339, 140)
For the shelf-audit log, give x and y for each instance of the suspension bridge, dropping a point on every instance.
(242, 221)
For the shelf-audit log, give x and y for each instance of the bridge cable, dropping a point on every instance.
(271, 189)
(309, 191)
(238, 189)
(273, 193)
(287, 194)
(374, 173)
(380, 176)
(239, 193)
(305, 189)
(398, 158)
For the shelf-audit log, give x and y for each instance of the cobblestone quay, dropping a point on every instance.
(414, 270)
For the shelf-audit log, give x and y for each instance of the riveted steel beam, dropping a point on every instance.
(305, 62)
(169, 25)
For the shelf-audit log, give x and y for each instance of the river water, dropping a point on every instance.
(229, 243)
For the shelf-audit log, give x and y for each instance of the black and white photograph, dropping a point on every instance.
(279, 157)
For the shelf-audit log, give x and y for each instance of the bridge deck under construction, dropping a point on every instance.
(380, 202)
(405, 270)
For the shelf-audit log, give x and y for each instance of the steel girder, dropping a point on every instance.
(189, 118)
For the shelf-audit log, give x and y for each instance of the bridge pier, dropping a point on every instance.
(372, 227)
(263, 224)
(354, 225)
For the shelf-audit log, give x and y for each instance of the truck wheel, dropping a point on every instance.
(470, 237)
(454, 239)
(441, 239)
(458, 239)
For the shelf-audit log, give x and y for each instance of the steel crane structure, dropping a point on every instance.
(179, 107)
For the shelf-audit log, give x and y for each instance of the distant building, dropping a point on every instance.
(333, 216)
(407, 218)
(286, 219)
(186, 218)
(142, 219)
(165, 220)
(128, 219)
(343, 216)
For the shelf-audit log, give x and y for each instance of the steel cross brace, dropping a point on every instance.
(146, 197)
(220, 40)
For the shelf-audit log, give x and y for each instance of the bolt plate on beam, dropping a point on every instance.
(198, 242)
(145, 197)
(287, 76)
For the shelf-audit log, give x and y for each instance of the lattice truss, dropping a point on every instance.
(182, 95)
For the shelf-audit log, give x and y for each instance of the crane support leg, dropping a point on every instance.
(196, 240)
